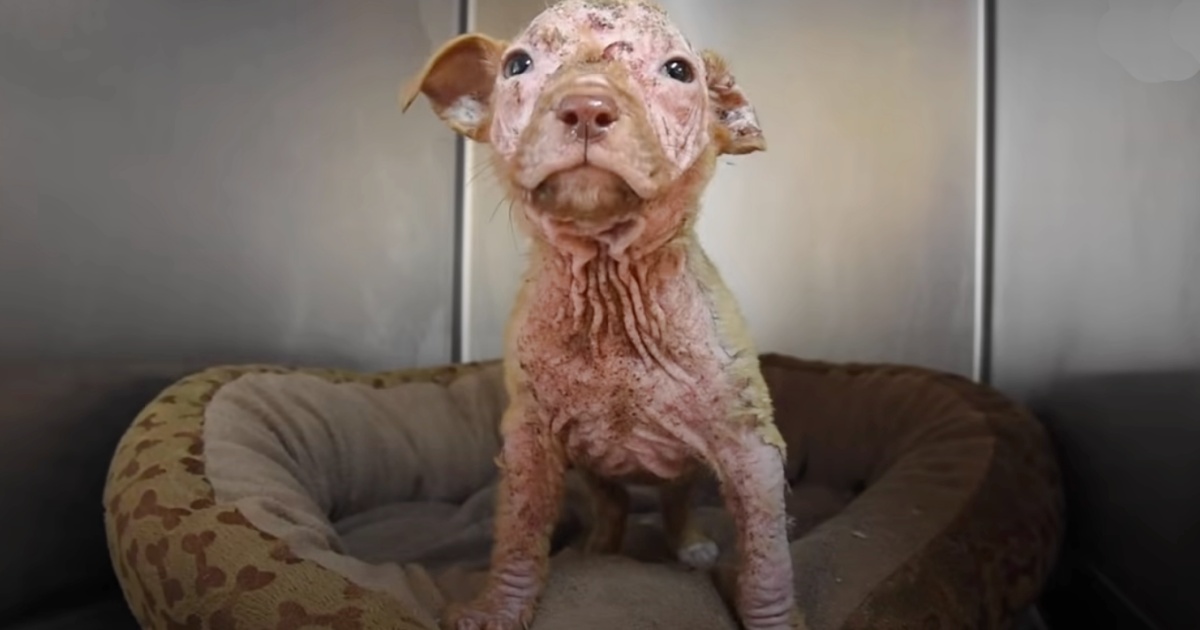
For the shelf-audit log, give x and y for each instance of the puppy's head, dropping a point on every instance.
(604, 120)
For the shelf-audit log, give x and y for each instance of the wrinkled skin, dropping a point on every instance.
(626, 355)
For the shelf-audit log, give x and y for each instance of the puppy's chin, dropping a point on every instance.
(586, 196)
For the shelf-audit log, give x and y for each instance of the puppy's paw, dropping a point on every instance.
(787, 617)
(476, 617)
(699, 553)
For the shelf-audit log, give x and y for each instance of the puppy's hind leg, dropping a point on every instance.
(610, 507)
(690, 545)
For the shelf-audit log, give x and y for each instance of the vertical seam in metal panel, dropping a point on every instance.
(460, 265)
(985, 190)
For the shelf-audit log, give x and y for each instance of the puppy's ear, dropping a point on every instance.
(458, 81)
(738, 131)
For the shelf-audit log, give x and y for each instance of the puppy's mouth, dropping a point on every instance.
(586, 195)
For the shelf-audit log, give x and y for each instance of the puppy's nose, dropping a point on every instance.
(589, 115)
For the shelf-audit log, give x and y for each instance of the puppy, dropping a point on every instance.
(626, 356)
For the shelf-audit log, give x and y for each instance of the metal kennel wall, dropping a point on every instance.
(234, 181)
(216, 181)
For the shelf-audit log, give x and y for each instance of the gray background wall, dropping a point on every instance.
(1097, 195)
(234, 181)
(226, 181)
(222, 181)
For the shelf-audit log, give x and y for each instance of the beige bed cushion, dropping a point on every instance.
(919, 498)
(393, 489)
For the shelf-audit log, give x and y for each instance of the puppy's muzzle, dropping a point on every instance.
(588, 109)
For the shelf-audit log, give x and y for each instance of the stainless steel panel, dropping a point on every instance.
(852, 237)
(1097, 261)
(223, 181)
(1097, 200)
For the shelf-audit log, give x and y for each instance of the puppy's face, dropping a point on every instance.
(598, 113)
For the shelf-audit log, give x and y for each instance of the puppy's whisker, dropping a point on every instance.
(487, 168)
(512, 232)
(495, 210)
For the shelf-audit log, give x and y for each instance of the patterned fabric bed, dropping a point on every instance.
(261, 497)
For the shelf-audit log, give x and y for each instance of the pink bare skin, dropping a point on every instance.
(626, 355)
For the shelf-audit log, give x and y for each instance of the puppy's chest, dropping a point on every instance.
(629, 391)
(623, 418)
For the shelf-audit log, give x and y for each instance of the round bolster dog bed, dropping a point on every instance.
(259, 498)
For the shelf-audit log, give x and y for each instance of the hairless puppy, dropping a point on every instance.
(626, 356)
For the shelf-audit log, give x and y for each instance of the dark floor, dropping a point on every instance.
(112, 615)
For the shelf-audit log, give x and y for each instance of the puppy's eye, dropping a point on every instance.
(680, 70)
(518, 62)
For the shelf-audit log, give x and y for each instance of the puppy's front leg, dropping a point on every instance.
(532, 468)
(751, 470)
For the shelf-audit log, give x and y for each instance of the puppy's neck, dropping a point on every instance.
(636, 291)
(630, 302)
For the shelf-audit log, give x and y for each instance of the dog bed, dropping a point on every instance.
(259, 497)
